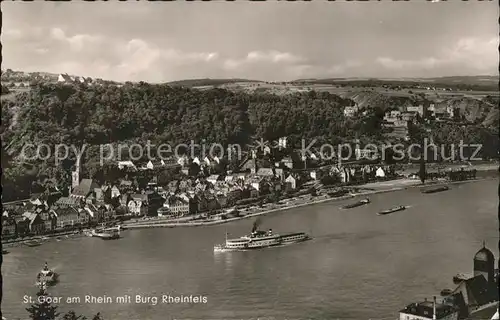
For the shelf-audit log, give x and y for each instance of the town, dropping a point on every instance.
(187, 189)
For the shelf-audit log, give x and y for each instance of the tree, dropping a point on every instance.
(42, 309)
(330, 179)
(5, 90)
(98, 317)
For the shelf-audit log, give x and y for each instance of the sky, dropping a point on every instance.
(270, 41)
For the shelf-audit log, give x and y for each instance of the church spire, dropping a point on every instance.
(75, 175)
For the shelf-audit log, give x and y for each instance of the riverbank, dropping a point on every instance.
(43, 239)
(487, 173)
(364, 190)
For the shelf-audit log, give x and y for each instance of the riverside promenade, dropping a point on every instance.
(364, 190)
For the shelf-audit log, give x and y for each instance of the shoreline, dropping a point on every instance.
(48, 238)
(417, 184)
(362, 190)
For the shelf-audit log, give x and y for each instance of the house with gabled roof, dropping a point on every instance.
(155, 164)
(84, 189)
(114, 192)
(102, 194)
(213, 179)
(126, 165)
(249, 164)
(183, 161)
(146, 203)
(95, 213)
(50, 220)
(222, 200)
(234, 194)
(137, 205)
(8, 227)
(197, 161)
(126, 186)
(200, 187)
(173, 186)
(207, 161)
(180, 206)
(124, 199)
(184, 185)
(64, 78)
(22, 225)
(265, 172)
(66, 216)
(69, 202)
(259, 184)
(291, 182)
(35, 223)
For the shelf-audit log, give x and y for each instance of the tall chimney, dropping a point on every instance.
(434, 309)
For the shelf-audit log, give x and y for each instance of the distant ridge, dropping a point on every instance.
(206, 82)
(472, 80)
(480, 82)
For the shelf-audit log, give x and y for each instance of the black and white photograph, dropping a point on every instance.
(250, 160)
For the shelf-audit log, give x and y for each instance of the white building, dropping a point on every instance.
(126, 164)
(282, 142)
(351, 111)
(64, 78)
(291, 181)
(380, 172)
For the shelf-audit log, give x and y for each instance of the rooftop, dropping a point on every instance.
(84, 188)
(425, 309)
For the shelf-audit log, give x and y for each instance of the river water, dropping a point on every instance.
(358, 266)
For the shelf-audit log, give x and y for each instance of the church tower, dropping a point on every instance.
(75, 175)
(484, 264)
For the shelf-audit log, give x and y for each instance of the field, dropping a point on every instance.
(280, 88)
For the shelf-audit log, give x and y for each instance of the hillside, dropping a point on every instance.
(373, 99)
(472, 109)
(480, 83)
(77, 114)
(470, 80)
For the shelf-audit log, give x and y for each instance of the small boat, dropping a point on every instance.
(114, 229)
(357, 204)
(395, 209)
(110, 236)
(446, 292)
(4, 251)
(106, 234)
(459, 278)
(32, 243)
(46, 277)
(435, 189)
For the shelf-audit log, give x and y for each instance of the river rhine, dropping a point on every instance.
(358, 266)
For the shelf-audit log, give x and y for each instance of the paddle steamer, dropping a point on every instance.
(260, 239)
